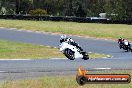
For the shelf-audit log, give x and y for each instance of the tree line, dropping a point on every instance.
(114, 9)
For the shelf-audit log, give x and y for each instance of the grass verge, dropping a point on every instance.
(110, 31)
(61, 82)
(16, 50)
(11, 50)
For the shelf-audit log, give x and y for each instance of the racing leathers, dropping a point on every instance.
(71, 42)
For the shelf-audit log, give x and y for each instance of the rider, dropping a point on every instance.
(122, 41)
(69, 41)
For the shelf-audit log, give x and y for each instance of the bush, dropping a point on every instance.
(39, 12)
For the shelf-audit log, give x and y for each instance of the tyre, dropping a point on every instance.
(126, 48)
(69, 54)
(120, 46)
(130, 49)
(85, 56)
(81, 80)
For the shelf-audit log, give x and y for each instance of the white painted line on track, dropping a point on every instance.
(2, 71)
(102, 68)
(14, 59)
(57, 58)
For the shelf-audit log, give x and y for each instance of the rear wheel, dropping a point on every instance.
(69, 54)
(120, 46)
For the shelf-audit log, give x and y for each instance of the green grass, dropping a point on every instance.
(16, 50)
(110, 31)
(61, 82)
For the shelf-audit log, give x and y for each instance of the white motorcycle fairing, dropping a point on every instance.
(65, 45)
(126, 42)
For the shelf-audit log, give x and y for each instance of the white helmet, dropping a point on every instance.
(63, 37)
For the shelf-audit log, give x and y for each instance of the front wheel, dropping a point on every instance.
(85, 56)
(126, 48)
(130, 49)
(69, 54)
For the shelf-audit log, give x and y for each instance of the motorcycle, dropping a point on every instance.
(125, 46)
(72, 52)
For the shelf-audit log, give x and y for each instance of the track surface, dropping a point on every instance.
(35, 68)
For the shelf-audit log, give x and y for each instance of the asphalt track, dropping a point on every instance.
(18, 69)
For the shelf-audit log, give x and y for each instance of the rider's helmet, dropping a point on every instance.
(62, 38)
(120, 38)
(123, 39)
